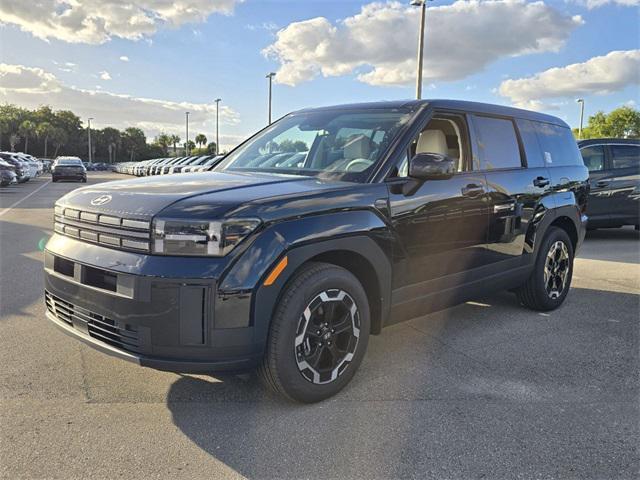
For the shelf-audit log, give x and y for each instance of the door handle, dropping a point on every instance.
(602, 183)
(541, 181)
(472, 190)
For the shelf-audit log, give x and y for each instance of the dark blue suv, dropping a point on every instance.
(316, 232)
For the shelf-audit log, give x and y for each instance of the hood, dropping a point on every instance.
(219, 192)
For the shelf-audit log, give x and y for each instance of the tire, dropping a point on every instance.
(294, 343)
(539, 295)
(84, 180)
(54, 179)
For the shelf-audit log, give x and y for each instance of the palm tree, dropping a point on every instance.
(164, 141)
(175, 140)
(201, 139)
(27, 129)
(43, 130)
(4, 128)
(58, 138)
(14, 138)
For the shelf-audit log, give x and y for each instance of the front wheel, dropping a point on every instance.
(318, 335)
(549, 283)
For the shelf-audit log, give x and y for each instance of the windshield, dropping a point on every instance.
(342, 144)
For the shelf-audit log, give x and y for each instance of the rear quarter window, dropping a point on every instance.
(559, 147)
(625, 156)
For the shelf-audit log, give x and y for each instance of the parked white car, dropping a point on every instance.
(35, 166)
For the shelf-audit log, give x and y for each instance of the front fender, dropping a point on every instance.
(241, 292)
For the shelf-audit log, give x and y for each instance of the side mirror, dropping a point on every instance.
(431, 166)
(427, 166)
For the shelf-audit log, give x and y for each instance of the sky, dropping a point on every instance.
(145, 62)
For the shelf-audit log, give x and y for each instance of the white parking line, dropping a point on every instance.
(24, 198)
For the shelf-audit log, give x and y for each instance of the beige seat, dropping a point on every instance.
(358, 146)
(432, 141)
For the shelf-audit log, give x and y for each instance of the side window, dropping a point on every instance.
(593, 157)
(445, 134)
(531, 145)
(497, 143)
(625, 156)
(559, 147)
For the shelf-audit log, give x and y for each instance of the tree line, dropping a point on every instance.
(46, 133)
(623, 122)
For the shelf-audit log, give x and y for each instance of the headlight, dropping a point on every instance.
(200, 238)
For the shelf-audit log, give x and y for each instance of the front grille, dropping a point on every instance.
(123, 336)
(107, 230)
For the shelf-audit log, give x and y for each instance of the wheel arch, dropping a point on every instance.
(359, 254)
(366, 274)
(568, 225)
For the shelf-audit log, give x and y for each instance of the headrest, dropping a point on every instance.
(357, 146)
(432, 141)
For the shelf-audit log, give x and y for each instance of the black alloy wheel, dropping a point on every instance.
(327, 336)
(318, 335)
(549, 282)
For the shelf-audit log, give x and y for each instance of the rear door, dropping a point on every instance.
(517, 177)
(596, 160)
(624, 183)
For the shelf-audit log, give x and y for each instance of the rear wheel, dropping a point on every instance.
(549, 283)
(318, 335)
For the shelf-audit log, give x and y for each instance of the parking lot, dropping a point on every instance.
(483, 390)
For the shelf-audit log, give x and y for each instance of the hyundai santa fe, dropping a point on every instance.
(316, 233)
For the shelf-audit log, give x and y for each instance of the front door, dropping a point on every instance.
(442, 227)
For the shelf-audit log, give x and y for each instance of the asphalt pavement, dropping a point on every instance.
(483, 390)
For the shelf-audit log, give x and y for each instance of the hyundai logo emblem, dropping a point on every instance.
(101, 200)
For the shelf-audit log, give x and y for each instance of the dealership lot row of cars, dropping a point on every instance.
(17, 167)
(613, 175)
(162, 166)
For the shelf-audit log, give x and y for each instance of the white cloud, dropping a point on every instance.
(597, 76)
(104, 75)
(97, 21)
(379, 43)
(591, 4)
(268, 26)
(31, 87)
(124, 58)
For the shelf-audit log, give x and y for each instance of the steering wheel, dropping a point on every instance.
(357, 161)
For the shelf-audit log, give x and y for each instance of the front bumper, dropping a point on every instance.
(177, 323)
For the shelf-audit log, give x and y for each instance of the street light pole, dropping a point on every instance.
(423, 10)
(581, 102)
(186, 143)
(217, 100)
(270, 77)
(89, 134)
